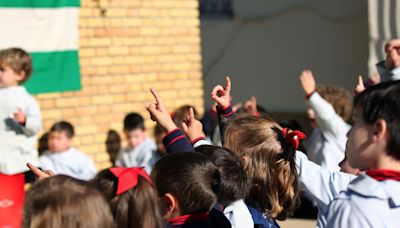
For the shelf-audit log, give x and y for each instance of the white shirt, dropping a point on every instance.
(144, 155)
(71, 162)
(366, 203)
(239, 215)
(320, 185)
(17, 142)
(327, 143)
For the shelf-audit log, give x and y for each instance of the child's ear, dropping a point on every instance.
(171, 206)
(21, 75)
(380, 130)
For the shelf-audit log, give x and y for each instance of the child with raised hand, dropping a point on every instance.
(268, 154)
(389, 69)
(131, 195)
(329, 109)
(20, 121)
(63, 201)
(62, 157)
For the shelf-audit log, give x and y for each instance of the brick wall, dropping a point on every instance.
(126, 47)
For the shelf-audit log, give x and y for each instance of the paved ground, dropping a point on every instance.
(298, 223)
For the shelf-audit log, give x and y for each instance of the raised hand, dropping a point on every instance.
(39, 173)
(221, 95)
(20, 117)
(159, 113)
(360, 86)
(192, 127)
(307, 82)
(251, 106)
(392, 50)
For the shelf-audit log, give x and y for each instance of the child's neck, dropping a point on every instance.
(387, 162)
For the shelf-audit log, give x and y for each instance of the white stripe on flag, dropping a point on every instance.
(38, 30)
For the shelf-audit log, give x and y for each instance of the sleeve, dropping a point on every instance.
(328, 120)
(33, 122)
(319, 184)
(343, 213)
(89, 169)
(224, 116)
(176, 141)
(387, 74)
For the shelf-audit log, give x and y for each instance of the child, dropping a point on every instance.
(141, 150)
(186, 183)
(234, 185)
(62, 158)
(20, 121)
(268, 154)
(329, 110)
(131, 196)
(372, 199)
(62, 201)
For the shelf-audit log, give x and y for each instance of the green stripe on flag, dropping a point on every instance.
(39, 3)
(54, 72)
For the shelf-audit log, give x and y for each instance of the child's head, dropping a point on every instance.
(134, 129)
(159, 134)
(234, 182)
(181, 113)
(339, 98)
(133, 206)
(269, 161)
(15, 67)
(185, 183)
(60, 136)
(62, 201)
(375, 135)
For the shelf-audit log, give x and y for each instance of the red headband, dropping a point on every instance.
(293, 137)
(128, 178)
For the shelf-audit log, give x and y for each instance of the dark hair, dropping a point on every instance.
(191, 177)
(234, 182)
(133, 121)
(18, 60)
(137, 207)
(63, 201)
(382, 102)
(63, 126)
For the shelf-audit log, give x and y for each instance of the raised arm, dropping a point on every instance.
(175, 140)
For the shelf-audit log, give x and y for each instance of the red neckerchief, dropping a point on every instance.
(188, 218)
(384, 174)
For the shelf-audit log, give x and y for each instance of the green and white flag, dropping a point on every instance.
(48, 30)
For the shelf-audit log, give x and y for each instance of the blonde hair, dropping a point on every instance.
(339, 98)
(269, 162)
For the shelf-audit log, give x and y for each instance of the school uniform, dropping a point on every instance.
(262, 221)
(144, 155)
(320, 185)
(238, 215)
(70, 162)
(327, 143)
(367, 202)
(17, 142)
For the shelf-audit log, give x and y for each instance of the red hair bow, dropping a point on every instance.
(293, 137)
(128, 178)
